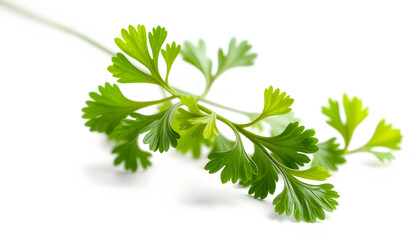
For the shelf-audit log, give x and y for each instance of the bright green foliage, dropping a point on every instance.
(315, 173)
(235, 162)
(132, 128)
(162, 107)
(265, 181)
(237, 55)
(210, 122)
(197, 56)
(306, 202)
(161, 134)
(126, 72)
(108, 108)
(134, 44)
(385, 136)
(156, 39)
(221, 144)
(275, 103)
(289, 146)
(192, 140)
(130, 154)
(196, 117)
(329, 155)
(191, 103)
(170, 55)
(188, 130)
(355, 114)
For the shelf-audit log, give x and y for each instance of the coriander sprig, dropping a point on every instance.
(283, 153)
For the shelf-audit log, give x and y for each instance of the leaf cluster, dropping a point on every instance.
(331, 155)
(188, 126)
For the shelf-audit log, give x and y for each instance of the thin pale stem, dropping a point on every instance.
(161, 100)
(35, 17)
(226, 107)
(174, 91)
(250, 123)
(215, 104)
(206, 91)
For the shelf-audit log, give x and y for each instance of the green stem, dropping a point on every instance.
(215, 104)
(52, 24)
(161, 100)
(226, 107)
(206, 91)
(250, 123)
(208, 111)
(360, 149)
(170, 90)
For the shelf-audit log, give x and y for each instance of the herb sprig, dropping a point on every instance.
(187, 126)
(281, 154)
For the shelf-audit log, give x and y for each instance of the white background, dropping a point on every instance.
(57, 179)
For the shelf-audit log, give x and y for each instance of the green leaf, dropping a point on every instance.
(183, 118)
(209, 121)
(162, 107)
(290, 146)
(197, 56)
(221, 144)
(305, 201)
(237, 56)
(156, 39)
(329, 155)
(191, 103)
(126, 72)
(315, 173)
(134, 44)
(192, 140)
(385, 136)
(188, 119)
(265, 181)
(129, 129)
(108, 108)
(355, 114)
(170, 55)
(160, 134)
(235, 162)
(275, 103)
(130, 154)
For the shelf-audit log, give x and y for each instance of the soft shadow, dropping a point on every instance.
(207, 198)
(107, 174)
(280, 218)
(269, 208)
(375, 163)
